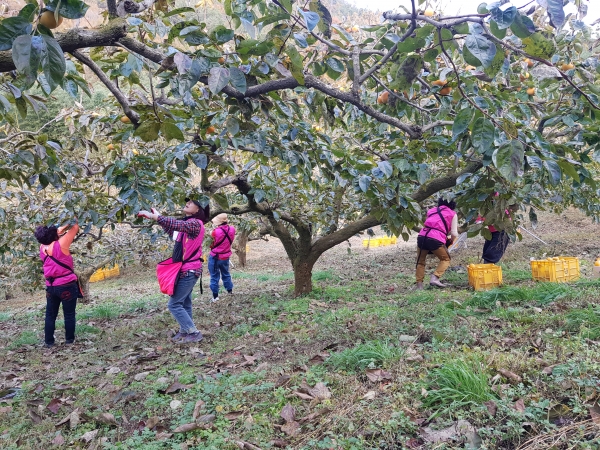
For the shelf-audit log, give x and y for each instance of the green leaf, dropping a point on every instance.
(461, 122)
(200, 159)
(496, 64)
(537, 45)
(10, 28)
(509, 159)
(273, 18)
(483, 135)
(481, 48)
(222, 34)
(408, 71)
(311, 18)
(504, 18)
(500, 33)
(148, 130)
(335, 64)
(522, 27)
(554, 171)
(233, 126)
(569, 169)
(181, 10)
(194, 35)
(237, 79)
(29, 12)
(27, 54)
(171, 131)
(364, 182)
(218, 79)
(556, 13)
(297, 63)
(53, 62)
(70, 9)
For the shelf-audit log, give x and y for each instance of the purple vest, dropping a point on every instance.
(222, 245)
(436, 228)
(55, 274)
(189, 249)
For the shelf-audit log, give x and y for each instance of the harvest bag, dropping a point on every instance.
(167, 272)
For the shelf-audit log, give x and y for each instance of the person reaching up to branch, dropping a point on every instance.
(188, 234)
(440, 230)
(61, 282)
(220, 252)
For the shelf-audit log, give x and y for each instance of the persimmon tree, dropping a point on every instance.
(501, 100)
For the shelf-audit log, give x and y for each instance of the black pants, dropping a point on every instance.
(66, 294)
(494, 249)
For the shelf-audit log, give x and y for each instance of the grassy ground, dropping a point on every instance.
(364, 362)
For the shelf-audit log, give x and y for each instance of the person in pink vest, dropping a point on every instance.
(220, 252)
(62, 287)
(440, 229)
(188, 234)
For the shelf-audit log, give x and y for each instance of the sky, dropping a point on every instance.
(466, 6)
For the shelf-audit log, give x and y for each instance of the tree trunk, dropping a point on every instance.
(241, 241)
(303, 276)
(84, 282)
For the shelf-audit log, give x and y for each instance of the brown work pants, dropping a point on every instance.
(441, 253)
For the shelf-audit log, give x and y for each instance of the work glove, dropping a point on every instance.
(148, 214)
(155, 211)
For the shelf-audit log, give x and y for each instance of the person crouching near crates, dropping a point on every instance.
(188, 234)
(440, 230)
(220, 252)
(62, 286)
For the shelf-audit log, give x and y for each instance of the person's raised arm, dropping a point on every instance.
(67, 238)
(454, 227)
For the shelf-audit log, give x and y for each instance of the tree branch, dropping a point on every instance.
(428, 189)
(78, 38)
(133, 116)
(127, 7)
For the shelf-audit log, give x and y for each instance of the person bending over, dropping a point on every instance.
(440, 229)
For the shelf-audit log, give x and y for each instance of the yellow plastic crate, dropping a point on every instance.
(394, 240)
(560, 269)
(113, 272)
(365, 242)
(98, 275)
(484, 276)
(375, 242)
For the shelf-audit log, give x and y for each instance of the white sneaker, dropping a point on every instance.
(214, 300)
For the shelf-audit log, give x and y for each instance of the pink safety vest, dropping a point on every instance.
(436, 228)
(223, 238)
(189, 249)
(54, 273)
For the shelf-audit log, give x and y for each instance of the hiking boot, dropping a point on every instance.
(48, 345)
(214, 299)
(191, 337)
(230, 292)
(419, 286)
(178, 336)
(70, 342)
(435, 281)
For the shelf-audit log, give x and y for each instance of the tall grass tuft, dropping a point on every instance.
(541, 294)
(584, 321)
(455, 385)
(374, 354)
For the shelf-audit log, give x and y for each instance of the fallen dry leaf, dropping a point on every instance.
(291, 428)
(519, 405)
(152, 422)
(283, 380)
(279, 443)
(206, 418)
(141, 376)
(416, 358)
(313, 416)
(370, 395)
(163, 436)
(491, 407)
(58, 439)
(320, 391)
(376, 375)
(113, 371)
(174, 388)
(35, 417)
(197, 407)
(303, 396)
(89, 436)
(288, 413)
(595, 413)
(511, 376)
(243, 445)
(5, 409)
(233, 415)
(549, 369)
(54, 405)
(175, 404)
(106, 419)
(318, 358)
(186, 427)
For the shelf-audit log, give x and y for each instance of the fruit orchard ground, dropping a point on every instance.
(124, 385)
